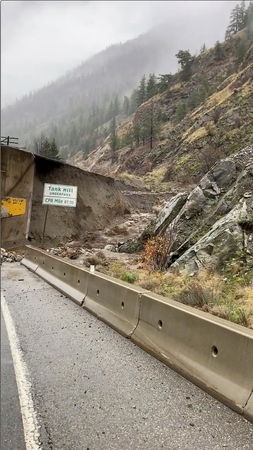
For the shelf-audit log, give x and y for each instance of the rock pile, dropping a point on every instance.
(9, 256)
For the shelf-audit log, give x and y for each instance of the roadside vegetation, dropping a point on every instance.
(227, 295)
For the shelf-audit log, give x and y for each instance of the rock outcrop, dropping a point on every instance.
(215, 222)
(230, 237)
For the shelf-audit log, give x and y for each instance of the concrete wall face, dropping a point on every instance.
(98, 200)
(24, 175)
(17, 172)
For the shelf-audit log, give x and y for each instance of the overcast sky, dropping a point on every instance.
(41, 40)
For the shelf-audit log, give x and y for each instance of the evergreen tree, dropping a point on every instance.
(218, 51)
(238, 20)
(110, 110)
(54, 152)
(133, 102)
(141, 92)
(126, 105)
(185, 59)
(44, 147)
(164, 81)
(151, 86)
(249, 21)
(203, 49)
(241, 49)
(116, 107)
(146, 125)
(181, 111)
(113, 135)
(136, 133)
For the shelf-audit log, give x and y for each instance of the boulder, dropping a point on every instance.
(169, 212)
(229, 236)
(216, 195)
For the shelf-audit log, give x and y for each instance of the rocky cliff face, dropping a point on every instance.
(214, 223)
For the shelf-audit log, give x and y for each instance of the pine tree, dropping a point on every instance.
(203, 49)
(44, 147)
(241, 49)
(141, 91)
(249, 21)
(136, 134)
(54, 152)
(113, 135)
(126, 105)
(164, 82)
(185, 59)
(116, 107)
(218, 51)
(151, 86)
(181, 111)
(133, 102)
(238, 20)
(146, 125)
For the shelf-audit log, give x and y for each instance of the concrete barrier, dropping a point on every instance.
(69, 279)
(248, 410)
(211, 352)
(33, 258)
(115, 302)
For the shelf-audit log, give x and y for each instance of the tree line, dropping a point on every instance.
(87, 127)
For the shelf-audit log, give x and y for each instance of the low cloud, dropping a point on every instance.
(43, 40)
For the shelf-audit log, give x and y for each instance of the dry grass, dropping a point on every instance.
(230, 298)
(154, 180)
(197, 134)
(207, 291)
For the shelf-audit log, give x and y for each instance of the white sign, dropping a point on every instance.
(59, 195)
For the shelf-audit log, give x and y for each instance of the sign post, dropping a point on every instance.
(58, 195)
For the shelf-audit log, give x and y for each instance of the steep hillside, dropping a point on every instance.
(190, 138)
(74, 107)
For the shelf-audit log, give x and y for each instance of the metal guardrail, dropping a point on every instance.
(211, 352)
(11, 141)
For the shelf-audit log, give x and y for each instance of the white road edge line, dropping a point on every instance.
(29, 417)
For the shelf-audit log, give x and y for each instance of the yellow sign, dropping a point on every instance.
(11, 206)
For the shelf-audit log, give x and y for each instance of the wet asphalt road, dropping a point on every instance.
(12, 436)
(94, 389)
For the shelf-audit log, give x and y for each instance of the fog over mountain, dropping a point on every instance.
(43, 40)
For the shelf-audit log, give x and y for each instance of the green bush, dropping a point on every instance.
(129, 277)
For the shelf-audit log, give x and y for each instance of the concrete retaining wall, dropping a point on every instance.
(24, 174)
(98, 201)
(215, 354)
(17, 173)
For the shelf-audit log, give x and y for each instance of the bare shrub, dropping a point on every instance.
(150, 284)
(157, 250)
(209, 156)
